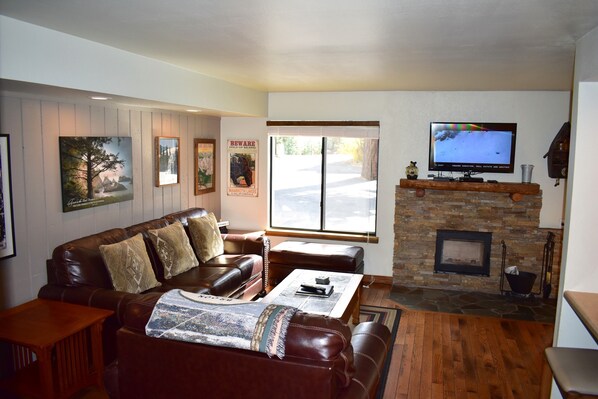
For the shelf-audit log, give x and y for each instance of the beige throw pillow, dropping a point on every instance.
(173, 248)
(206, 237)
(129, 265)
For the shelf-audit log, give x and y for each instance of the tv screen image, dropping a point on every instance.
(472, 147)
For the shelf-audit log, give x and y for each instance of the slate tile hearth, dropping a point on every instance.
(475, 303)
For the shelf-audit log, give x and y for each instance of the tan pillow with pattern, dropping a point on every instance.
(129, 265)
(206, 237)
(173, 248)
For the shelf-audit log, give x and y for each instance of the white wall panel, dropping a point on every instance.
(34, 178)
(34, 125)
(147, 178)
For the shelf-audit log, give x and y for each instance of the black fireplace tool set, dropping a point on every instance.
(522, 283)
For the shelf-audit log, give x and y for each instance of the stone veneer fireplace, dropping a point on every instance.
(423, 207)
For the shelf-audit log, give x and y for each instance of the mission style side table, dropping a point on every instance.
(55, 348)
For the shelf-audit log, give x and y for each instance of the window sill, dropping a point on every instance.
(322, 236)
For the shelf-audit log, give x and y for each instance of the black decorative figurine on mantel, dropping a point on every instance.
(412, 171)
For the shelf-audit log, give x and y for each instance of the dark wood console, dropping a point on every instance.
(516, 191)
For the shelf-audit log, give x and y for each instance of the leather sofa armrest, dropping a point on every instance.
(242, 244)
(90, 296)
(371, 342)
(139, 312)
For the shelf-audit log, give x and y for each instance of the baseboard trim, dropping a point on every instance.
(370, 279)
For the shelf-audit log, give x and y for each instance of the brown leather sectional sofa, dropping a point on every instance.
(323, 359)
(77, 274)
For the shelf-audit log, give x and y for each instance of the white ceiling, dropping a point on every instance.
(339, 45)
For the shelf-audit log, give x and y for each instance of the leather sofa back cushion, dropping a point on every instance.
(309, 337)
(183, 215)
(173, 248)
(79, 262)
(129, 265)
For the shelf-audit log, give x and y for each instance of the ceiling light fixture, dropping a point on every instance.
(193, 110)
(100, 98)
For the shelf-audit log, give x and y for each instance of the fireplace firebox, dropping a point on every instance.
(463, 252)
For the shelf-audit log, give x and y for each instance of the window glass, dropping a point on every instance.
(351, 183)
(324, 183)
(296, 182)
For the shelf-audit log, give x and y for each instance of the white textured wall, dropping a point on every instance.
(578, 267)
(247, 213)
(404, 128)
(579, 256)
(40, 225)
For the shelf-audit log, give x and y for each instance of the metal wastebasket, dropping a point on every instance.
(521, 283)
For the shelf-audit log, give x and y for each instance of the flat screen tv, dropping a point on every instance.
(472, 147)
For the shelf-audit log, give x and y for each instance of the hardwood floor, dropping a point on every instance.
(441, 355)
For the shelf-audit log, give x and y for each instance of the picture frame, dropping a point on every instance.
(7, 232)
(205, 165)
(242, 168)
(167, 160)
(95, 171)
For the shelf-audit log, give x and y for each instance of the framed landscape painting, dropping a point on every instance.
(95, 171)
(205, 166)
(167, 161)
(7, 234)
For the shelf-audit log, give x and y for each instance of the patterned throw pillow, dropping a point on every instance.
(129, 265)
(173, 248)
(206, 237)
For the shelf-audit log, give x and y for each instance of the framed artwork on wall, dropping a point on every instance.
(7, 233)
(167, 160)
(242, 168)
(205, 166)
(95, 171)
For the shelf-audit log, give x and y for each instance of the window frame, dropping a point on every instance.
(321, 232)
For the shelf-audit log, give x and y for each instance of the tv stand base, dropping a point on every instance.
(471, 179)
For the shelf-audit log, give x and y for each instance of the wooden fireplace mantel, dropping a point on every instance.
(516, 191)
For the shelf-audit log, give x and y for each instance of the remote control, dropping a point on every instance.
(314, 288)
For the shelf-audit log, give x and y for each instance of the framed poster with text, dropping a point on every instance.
(242, 168)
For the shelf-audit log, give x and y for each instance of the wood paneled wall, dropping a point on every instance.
(34, 126)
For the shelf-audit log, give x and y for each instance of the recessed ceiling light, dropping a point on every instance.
(101, 98)
(193, 110)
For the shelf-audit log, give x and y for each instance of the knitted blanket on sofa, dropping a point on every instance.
(212, 320)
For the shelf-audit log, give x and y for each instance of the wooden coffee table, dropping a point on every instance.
(342, 304)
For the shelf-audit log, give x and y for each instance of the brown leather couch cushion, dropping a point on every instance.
(79, 262)
(323, 360)
(309, 336)
(290, 255)
(341, 258)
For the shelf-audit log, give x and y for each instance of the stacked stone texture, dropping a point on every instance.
(517, 223)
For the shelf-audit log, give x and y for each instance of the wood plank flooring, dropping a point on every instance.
(441, 355)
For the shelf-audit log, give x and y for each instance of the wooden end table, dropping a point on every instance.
(56, 348)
